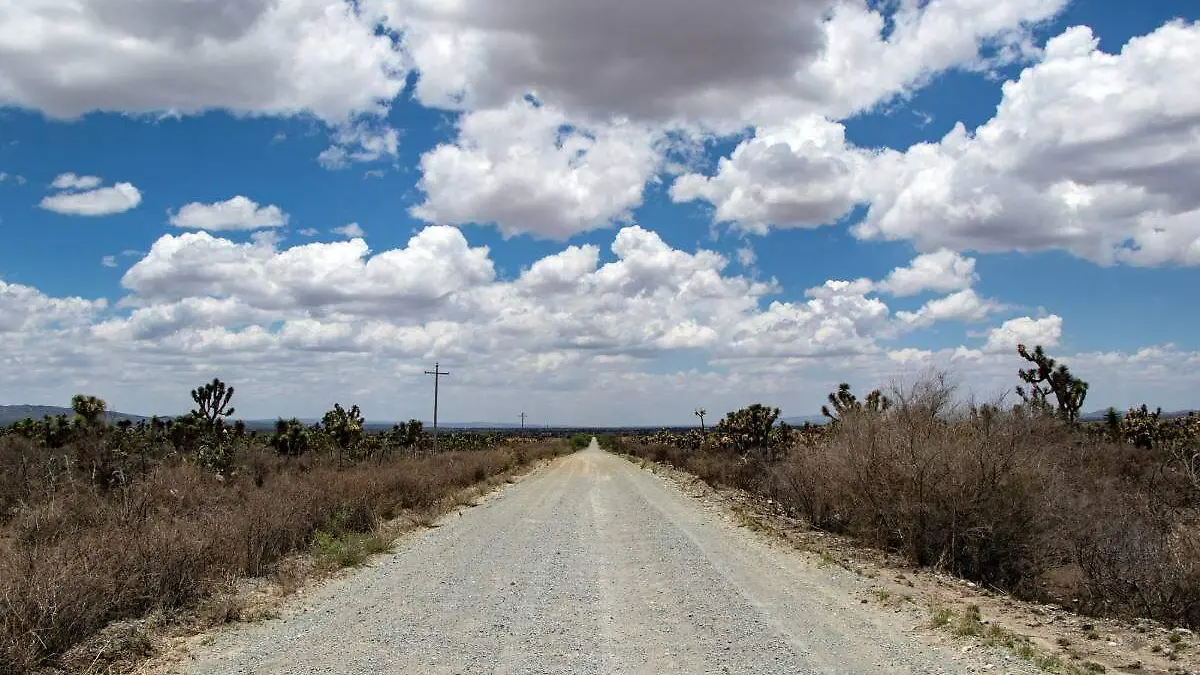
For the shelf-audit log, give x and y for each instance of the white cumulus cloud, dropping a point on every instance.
(69, 181)
(941, 271)
(237, 213)
(318, 276)
(965, 305)
(360, 142)
(349, 230)
(525, 169)
(716, 64)
(275, 57)
(82, 196)
(801, 174)
(1090, 152)
(25, 308)
(1046, 331)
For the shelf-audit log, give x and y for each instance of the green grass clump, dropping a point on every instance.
(348, 550)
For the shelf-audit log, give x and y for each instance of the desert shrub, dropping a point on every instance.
(1135, 560)
(609, 441)
(945, 487)
(1020, 498)
(76, 555)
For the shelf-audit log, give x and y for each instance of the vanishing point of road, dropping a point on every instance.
(588, 566)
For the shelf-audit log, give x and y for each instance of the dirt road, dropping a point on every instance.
(588, 566)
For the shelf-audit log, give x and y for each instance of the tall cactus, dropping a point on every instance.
(750, 427)
(203, 430)
(89, 410)
(409, 434)
(345, 427)
(845, 402)
(1049, 377)
(291, 438)
(212, 401)
(1143, 428)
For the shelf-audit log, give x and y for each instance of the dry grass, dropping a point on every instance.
(1010, 500)
(74, 558)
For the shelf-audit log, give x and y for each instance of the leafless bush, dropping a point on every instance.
(945, 487)
(1009, 497)
(1137, 560)
(75, 556)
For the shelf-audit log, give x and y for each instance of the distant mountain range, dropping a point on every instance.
(16, 413)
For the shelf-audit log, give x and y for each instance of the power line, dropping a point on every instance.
(437, 374)
(522, 421)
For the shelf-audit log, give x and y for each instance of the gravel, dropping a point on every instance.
(589, 566)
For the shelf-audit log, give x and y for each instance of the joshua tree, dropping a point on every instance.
(291, 438)
(1112, 423)
(843, 401)
(1051, 378)
(749, 427)
(212, 401)
(344, 426)
(701, 412)
(408, 434)
(89, 410)
(92, 449)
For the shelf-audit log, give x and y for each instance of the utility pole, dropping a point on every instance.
(522, 421)
(437, 374)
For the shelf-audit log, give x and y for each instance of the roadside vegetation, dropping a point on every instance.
(102, 523)
(1102, 517)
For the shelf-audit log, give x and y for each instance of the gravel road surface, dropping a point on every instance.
(590, 565)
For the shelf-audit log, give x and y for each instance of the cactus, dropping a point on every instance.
(1143, 428)
(750, 427)
(701, 412)
(89, 410)
(845, 402)
(1148, 430)
(291, 438)
(213, 454)
(212, 401)
(408, 434)
(185, 432)
(203, 429)
(1113, 424)
(1051, 378)
(345, 427)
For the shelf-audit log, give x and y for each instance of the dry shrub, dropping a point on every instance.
(946, 487)
(74, 557)
(1136, 559)
(1014, 500)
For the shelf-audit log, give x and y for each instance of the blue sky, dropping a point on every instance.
(595, 231)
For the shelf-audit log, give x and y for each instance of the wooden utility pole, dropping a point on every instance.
(522, 421)
(437, 374)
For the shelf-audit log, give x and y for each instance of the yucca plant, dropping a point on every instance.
(1049, 377)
